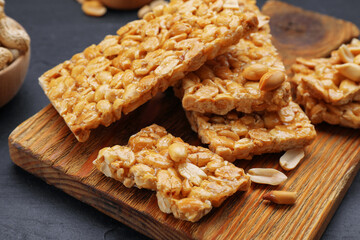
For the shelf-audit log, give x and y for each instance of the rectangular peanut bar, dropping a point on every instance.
(146, 56)
(188, 180)
(347, 115)
(231, 81)
(241, 136)
(334, 80)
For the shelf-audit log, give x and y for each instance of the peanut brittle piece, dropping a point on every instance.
(188, 180)
(241, 136)
(334, 80)
(145, 57)
(231, 81)
(347, 115)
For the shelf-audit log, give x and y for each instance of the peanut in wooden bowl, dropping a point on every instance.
(125, 4)
(12, 77)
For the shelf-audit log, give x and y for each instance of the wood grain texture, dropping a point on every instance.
(45, 147)
(300, 33)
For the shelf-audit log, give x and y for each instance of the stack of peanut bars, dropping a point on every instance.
(218, 56)
(329, 88)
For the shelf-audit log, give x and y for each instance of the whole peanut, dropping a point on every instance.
(255, 72)
(15, 53)
(271, 80)
(93, 8)
(5, 57)
(12, 35)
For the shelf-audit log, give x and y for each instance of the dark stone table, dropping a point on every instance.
(31, 209)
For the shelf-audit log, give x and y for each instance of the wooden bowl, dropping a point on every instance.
(12, 77)
(125, 4)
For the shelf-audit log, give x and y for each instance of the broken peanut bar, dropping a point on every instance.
(347, 115)
(334, 80)
(188, 180)
(249, 77)
(241, 136)
(329, 88)
(145, 57)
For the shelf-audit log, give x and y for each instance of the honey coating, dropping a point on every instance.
(329, 88)
(145, 57)
(189, 181)
(231, 81)
(241, 136)
(347, 115)
(329, 79)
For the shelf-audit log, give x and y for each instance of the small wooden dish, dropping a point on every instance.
(12, 77)
(125, 4)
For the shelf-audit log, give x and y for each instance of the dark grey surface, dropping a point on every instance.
(31, 209)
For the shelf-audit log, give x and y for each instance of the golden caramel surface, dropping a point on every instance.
(145, 57)
(329, 88)
(188, 180)
(239, 78)
(241, 136)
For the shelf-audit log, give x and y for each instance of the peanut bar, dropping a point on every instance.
(347, 115)
(241, 136)
(334, 80)
(188, 180)
(146, 56)
(231, 81)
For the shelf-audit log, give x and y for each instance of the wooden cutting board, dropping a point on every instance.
(44, 146)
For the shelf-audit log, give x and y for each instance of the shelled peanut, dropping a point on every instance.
(98, 8)
(14, 41)
(93, 8)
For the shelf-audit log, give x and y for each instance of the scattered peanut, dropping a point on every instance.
(255, 72)
(93, 8)
(266, 176)
(345, 54)
(281, 197)
(291, 158)
(271, 80)
(350, 70)
(178, 151)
